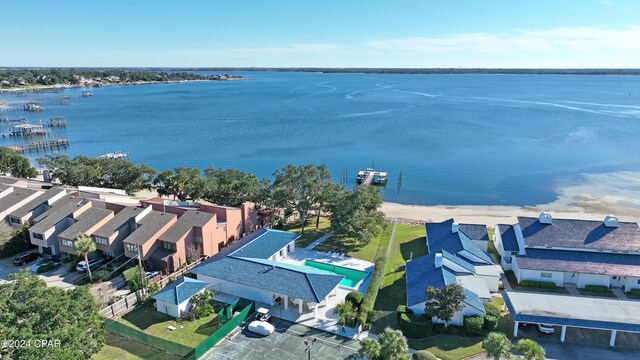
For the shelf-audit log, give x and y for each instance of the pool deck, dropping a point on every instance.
(299, 255)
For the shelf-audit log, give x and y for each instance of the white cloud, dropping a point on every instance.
(568, 38)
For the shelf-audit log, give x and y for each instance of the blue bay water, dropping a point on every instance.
(458, 139)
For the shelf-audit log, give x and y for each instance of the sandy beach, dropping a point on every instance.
(598, 195)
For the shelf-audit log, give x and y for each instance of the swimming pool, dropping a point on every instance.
(352, 277)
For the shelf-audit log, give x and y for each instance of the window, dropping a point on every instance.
(68, 243)
(638, 281)
(132, 248)
(168, 245)
(546, 274)
(38, 236)
(15, 220)
(198, 239)
(101, 240)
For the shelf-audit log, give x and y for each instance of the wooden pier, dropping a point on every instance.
(371, 177)
(58, 121)
(28, 130)
(33, 106)
(38, 146)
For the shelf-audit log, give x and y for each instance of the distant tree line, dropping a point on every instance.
(307, 190)
(433, 71)
(10, 78)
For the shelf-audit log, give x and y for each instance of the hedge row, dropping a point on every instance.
(366, 307)
(423, 355)
(538, 284)
(596, 288)
(491, 309)
(415, 326)
(635, 292)
(473, 325)
(47, 267)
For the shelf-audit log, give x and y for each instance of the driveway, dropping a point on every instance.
(59, 277)
(287, 342)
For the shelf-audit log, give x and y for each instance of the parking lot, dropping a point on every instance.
(589, 337)
(59, 277)
(287, 342)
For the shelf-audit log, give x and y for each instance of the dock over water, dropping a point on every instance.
(370, 176)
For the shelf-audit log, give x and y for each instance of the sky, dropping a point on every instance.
(328, 33)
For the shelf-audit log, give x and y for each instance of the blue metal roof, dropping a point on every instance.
(574, 233)
(440, 236)
(580, 262)
(574, 311)
(265, 244)
(471, 247)
(458, 261)
(290, 280)
(508, 236)
(180, 291)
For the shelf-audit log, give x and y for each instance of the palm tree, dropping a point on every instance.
(369, 349)
(346, 312)
(530, 349)
(84, 245)
(497, 346)
(393, 345)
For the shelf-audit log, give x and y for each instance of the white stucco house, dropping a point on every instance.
(174, 299)
(571, 251)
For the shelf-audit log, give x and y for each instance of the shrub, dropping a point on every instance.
(473, 324)
(47, 267)
(491, 309)
(414, 326)
(355, 298)
(101, 275)
(74, 262)
(490, 322)
(402, 309)
(374, 285)
(453, 330)
(538, 284)
(423, 355)
(596, 288)
(635, 292)
(438, 329)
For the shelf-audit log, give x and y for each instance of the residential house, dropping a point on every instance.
(456, 256)
(12, 199)
(84, 224)
(174, 299)
(572, 251)
(34, 207)
(249, 269)
(109, 237)
(147, 230)
(193, 235)
(47, 226)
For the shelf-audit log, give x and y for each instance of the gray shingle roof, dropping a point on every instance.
(85, 221)
(294, 281)
(18, 194)
(475, 231)
(179, 291)
(122, 217)
(580, 262)
(188, 220)
(35, 203)
(508, 236)
(149, 226)
(585, 234)
(265, 243)
(575, 311)
(59, 210)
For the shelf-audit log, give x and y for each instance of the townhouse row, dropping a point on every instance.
(163, 233)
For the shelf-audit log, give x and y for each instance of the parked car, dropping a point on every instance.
(262, 314)
(150, 275)
(261, 328)
(93, 264)
(546, 328)
(33, 268)
(26, 258)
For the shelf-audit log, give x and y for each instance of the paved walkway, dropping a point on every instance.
(572, 288)
(619, 293)
(320, 240)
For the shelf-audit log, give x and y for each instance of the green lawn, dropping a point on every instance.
(369, 252)
(491, 247)
(311, 234)
(449, 347)
(188, 333)
(120, 348)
